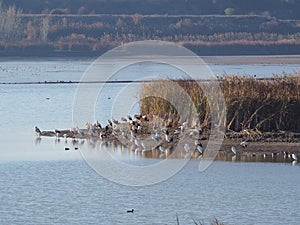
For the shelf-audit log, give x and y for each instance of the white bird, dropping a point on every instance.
(37, 131)
(191, 134)
(198, 130)
(57, 132)
(169, 138)
(233, 149)
(65, 138)
(244, 144)
(157, 137)
(187, 147)
(103, 134)
(294, 157)
(181, 128)
(161, 148)
(233, 159)
(176, 132)
(200, 149)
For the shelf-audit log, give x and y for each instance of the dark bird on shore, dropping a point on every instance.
(130, 211)
(138, 117)
(129, 117)
(115, 121)
(145, 118)
(67, 149)
(37, 131)
(98, 125)
(109, 123)
(244, 144)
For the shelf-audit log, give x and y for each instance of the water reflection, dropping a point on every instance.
(37, 140)
(254, 157)
(118, 150)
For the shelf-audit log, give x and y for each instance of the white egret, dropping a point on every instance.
(233, 149)
(187, 147)
(294, 157)
(200, 149)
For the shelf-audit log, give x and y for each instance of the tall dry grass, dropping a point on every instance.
(254, 104)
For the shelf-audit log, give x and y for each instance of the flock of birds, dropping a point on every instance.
(141, 134)
(138, 133)
(286, 154)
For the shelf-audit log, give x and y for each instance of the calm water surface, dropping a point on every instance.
(43, 184)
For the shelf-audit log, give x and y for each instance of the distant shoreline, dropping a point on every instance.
(201, 50)
(209, 59)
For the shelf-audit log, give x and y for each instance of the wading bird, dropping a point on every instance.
(57, 132)
(294, 157)
(233, 149)
(37, 131)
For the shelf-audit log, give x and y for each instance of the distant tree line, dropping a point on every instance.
(285, 9)
(220, 34)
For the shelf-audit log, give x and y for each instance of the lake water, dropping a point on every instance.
(41, 183)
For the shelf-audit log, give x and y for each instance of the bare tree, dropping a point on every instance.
(10, 24)
(44, 29)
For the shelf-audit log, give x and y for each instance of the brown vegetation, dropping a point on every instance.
(260, 105)
(95, 33)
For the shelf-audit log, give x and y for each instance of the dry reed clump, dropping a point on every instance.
(263, 105)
